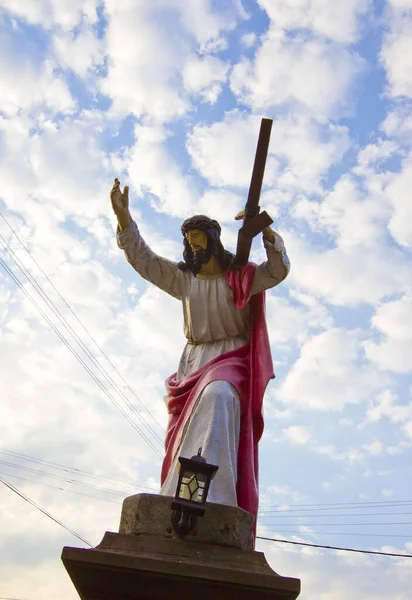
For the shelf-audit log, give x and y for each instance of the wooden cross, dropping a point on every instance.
(254, 221)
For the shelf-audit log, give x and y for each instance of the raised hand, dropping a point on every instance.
(120, 204)
(120, 201)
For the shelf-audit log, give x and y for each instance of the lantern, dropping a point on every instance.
(195, 476)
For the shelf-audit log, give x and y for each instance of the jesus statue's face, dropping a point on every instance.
(197, 239)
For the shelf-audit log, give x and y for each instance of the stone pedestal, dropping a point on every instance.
(146, 560)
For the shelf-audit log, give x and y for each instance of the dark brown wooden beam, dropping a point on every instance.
(250, 229)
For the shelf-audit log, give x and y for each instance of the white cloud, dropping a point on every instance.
(392, 320)
(221, 204)
(347, 213)
(398, 193)
(309, 149)
(249, 39)
(408, 428)
(363, 206)
(329, 373)
(49, 13)
(297, 434)
(28, 83)
(290, 323)
(155, 324)
(400, 4)
(373, 155)
(205, 76)
(80, 51)
(133, 59)
(374, 448)
(396, 55)
(154, 60)
(208, 26)
(312, 73)
(398, 123)
(54, 170)
(336, 21)
(224, 152)
(347, 276)
(386, 405)
(171, 192)
(286, 494)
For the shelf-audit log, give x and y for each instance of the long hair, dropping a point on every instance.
(214, 246)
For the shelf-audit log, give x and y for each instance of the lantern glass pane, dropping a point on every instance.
(192, 486)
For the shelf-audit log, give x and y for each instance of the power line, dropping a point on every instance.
(78, 357)
(61, 478)
(80, 323)
(343, 533)
(279, 515)
(60, 489)
(7, 248)
(341, 507)
(346, 524)
(281, 507)
(106, 490)
(137, 489)
(334, 547)
(45, 512)
(336, 515)
(67, 469)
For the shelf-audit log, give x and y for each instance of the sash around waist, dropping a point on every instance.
(242, 336)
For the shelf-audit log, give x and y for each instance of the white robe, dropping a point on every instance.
(212, 325)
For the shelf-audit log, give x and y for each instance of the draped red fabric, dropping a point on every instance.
(249, 369)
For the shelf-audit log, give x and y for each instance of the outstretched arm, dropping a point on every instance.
(276, 268)
(160, 271)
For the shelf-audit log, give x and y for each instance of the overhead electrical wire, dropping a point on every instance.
(120, 492)
(279, 514)
(63, 478)
(374, 514)
(340, 548)
(282, 507)
(346, 524)
(80, 323)
(45, 512)
(60, 489)
(281, 541)
(79, 358)
(293, 531)
(276, 513)
(75, 470)
(7, 248)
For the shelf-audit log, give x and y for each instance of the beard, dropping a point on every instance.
(201, 257)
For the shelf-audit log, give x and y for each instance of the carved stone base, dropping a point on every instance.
(153, 564)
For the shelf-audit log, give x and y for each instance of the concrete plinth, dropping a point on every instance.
(147, 561)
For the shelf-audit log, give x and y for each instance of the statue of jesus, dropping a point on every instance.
(214, 400)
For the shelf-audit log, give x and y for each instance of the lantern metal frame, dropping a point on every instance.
(186, 510)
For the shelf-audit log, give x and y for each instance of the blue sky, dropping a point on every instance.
(168, 96)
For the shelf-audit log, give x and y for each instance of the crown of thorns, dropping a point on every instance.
(203, 223)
